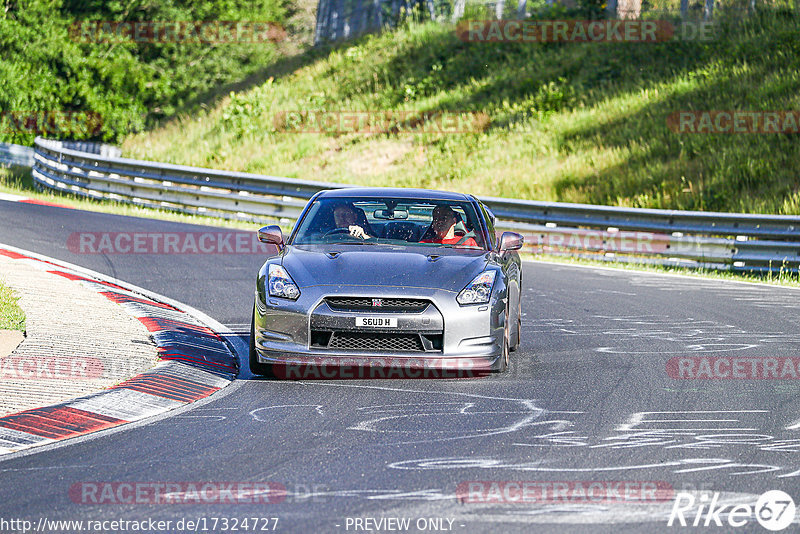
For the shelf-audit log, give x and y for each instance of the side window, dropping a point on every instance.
(460, 211)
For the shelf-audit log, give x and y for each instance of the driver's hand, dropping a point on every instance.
(357, 231)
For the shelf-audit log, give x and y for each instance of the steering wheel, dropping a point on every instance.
(336, 231)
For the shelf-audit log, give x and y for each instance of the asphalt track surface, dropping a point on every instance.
(588, 398)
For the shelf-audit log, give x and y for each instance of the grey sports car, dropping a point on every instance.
(383, 283)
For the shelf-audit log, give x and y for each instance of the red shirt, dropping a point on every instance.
(469, 242)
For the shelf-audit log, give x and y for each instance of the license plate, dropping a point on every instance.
(377, 322)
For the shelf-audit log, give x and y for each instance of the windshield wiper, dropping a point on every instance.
(366, 242)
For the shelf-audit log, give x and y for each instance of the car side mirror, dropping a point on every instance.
(510, 241)
(271, 234)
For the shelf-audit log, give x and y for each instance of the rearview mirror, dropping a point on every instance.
(386, 214)
(271, 234)
(510, 241)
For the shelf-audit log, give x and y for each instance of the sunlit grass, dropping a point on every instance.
(11, 315)
(570, 122)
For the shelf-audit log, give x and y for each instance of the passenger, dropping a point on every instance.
(443, 229)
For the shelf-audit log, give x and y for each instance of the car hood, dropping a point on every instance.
(359, 265)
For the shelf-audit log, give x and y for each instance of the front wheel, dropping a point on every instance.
(256, 367)
(517, 335)
(505, 358)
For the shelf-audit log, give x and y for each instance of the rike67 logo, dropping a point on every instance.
(774, 510)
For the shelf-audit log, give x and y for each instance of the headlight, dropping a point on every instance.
(478, 291)
(280, 284)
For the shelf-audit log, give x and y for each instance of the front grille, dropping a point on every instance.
(386, 304)
(376, 341)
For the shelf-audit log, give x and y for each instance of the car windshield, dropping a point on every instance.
(395, 221)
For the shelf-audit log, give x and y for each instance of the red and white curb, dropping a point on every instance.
(195, 363)
(9, 197)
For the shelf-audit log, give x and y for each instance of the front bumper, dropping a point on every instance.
(453, 338)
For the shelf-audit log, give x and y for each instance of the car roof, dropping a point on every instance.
(393, 192)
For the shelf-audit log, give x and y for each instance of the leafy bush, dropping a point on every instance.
(122, 86)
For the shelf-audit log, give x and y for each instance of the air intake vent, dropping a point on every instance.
(377, 304)
(378, 342)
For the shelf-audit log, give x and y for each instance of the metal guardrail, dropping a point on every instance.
(687, 238)
(178, 187)
(16, 155)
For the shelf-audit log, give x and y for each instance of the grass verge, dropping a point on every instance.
(11, 315)
(571, 122)
(783, 278)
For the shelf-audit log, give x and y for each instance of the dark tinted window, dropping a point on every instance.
(395, 221)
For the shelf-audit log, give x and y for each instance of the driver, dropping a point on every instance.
(346, 216)
(443, 229)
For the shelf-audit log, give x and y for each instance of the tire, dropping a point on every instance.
(505, 358)
(256, 367)
(517, 336)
